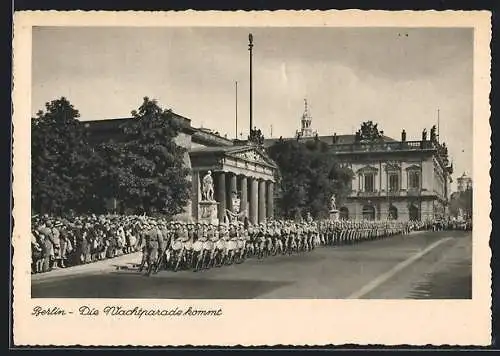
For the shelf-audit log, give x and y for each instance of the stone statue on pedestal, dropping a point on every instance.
(208, 187)
(334, 213)
(207, 205)
(333, 205)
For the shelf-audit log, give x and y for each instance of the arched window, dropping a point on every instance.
(393, 213)
(369, 212)
(344, 213)
(413, 213)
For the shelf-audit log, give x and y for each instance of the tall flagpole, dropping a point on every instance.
(438, 126)
(250, 46)
(236, 111)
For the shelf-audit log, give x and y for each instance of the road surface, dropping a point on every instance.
(422, 265)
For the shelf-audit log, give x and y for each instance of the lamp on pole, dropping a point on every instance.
(250, 46)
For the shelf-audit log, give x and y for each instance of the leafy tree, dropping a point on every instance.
(147, 166)
(309, 175)
(60, 157)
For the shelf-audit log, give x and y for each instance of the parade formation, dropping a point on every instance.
(175, 245)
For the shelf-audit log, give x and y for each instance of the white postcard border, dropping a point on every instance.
(257, 322)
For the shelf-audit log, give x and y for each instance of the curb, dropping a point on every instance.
(91, 267)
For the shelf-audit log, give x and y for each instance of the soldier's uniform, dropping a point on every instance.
(153, 243)
(232, 243)
(241, 242)
(212, 238)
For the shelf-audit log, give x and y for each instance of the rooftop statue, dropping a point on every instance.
(369, 132)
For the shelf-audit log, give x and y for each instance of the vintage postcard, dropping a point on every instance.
(251, 178)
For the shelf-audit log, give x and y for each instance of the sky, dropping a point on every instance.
(396, 77)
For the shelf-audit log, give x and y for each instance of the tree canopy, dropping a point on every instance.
(145, 170)
(148, 166)
(309, 175)
(60, 156)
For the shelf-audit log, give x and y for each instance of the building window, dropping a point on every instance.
(369, 182)
(414, 180)
(393, 182)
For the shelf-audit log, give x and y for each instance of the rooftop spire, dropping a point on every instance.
(306, 120)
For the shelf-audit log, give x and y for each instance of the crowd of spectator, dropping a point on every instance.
(62, 242)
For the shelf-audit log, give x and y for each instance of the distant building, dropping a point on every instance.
(403, 180)
(464, 183)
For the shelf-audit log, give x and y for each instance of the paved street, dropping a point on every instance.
(428, 265)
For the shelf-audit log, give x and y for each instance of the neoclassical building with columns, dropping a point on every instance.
(238, 168)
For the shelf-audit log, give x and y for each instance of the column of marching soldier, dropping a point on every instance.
(198, 246)
(175, 245)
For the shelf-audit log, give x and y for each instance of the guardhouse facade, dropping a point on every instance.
(238, 167)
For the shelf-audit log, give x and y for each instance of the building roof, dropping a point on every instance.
(114, 123)
(340, 139)
(215, 149)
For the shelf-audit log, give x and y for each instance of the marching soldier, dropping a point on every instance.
(200, 237)
(154, 244)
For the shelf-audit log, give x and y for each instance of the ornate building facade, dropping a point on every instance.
(393, 179)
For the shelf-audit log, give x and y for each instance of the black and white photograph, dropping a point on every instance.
(253, 162)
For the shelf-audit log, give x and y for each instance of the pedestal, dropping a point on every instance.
(334, 215)
(208, 212)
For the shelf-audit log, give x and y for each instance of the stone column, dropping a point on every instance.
(243, 194)
(232, 188)
(270, 200)
(262, 200)
(253, 200)
(221, 195)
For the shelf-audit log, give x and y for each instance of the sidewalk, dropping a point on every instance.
(100, 266)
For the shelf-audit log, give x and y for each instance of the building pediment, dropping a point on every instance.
(392, 166)
(237, 156)
(252, 155)
(413, 167)
(367, 169)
